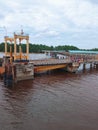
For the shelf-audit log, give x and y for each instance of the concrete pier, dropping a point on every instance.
(23, 72)
(16, 72)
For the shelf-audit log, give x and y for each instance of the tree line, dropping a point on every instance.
(38, 48)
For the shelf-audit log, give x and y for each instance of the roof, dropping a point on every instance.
(82, 52)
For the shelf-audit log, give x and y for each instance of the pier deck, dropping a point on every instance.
(49, 64)
(50, 61)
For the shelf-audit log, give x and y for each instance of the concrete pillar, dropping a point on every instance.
(97, 66)
(84, 66)
(94, 65)
(90, 65)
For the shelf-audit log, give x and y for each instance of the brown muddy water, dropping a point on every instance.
(54, 101)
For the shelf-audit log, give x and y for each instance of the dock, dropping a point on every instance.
(16, 66)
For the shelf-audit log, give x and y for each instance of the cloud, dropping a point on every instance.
(53, 13)
(51, 18)
(82, 12)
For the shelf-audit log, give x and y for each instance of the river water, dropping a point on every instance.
(56, 100)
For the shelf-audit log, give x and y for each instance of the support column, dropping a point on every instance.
(96, 66)
(20, 50)
(27, 49)
(5, 48)
(90, 65)
(84, 65)
(15, 49)
(11, 52)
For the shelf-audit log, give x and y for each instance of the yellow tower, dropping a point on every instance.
(9, 54)
(17, 55)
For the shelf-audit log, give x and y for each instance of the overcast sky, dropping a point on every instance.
(52, 22)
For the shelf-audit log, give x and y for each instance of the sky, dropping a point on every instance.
(52, 22)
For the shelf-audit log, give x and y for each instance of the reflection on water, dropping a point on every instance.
(53, 101)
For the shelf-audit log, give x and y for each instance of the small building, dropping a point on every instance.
(56, 54)
(60, 56)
